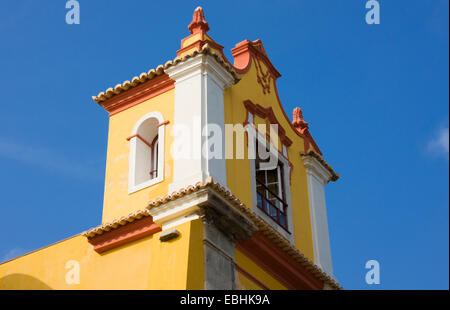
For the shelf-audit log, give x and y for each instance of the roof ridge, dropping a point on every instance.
(160, 70)
(124, 220)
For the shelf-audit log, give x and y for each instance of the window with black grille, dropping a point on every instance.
(270, 191)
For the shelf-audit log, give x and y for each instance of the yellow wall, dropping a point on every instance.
(196, 266)
(243, 282)
(143, 264)
(149, 263)
(238, 171)
(117, 201)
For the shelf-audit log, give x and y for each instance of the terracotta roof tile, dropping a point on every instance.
(144, 77)
(116, 224)
(262, 225)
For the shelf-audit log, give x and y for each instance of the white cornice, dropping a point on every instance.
(205, 202)
(317, 169)
(204, 64)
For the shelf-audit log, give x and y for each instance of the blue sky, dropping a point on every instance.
(376, 98)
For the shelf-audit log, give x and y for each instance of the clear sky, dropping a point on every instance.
(375, 96)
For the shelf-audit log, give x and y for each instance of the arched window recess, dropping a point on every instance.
(146, 160)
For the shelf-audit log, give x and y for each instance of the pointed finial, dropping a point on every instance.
(298, 122)
(198, 23)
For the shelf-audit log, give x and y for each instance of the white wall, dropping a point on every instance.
(200, 83)
(318, 177)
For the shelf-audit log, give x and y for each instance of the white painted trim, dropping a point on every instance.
(132, 187)
(285, 152)
(315, 167)
(250, 117)
(200, 83)
(153, 114)
(178, 221)
(193, 206)
(175, 211)
(317, 178)
(207, 65)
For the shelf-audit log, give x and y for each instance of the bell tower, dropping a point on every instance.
(200, 83)
(160, 121)
(178, 213)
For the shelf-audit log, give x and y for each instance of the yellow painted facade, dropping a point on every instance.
(117, 201)
(149, 263)
(244, 282)
(135, 266)
(238, 171)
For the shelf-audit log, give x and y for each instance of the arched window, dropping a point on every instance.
(146, 152)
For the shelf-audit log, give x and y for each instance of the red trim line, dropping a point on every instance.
(250, 277)
(278, 264)
(199, 45)
(291, 166)
(164, 123)
(307, 137)
(243, 52)
(267, 113)
(251, 108)
(125, 234)
(247, 52)
(138, 94)
(140, 138)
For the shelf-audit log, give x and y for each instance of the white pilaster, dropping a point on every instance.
(200, 83)
(318, 177)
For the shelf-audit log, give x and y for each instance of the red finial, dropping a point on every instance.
(198, 23)
(298, 122)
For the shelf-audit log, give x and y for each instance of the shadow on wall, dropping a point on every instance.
(19, 281)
